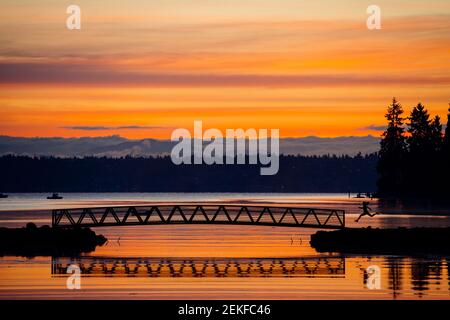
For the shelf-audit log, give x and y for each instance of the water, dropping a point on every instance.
(207, 261)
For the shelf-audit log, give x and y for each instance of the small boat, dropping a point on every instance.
(3, 196)
(55, 196)
(359, 195)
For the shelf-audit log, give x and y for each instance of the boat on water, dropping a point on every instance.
(3, 196)
(55, 196)
(360, 195)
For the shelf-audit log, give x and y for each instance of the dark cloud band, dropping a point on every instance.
(100, 128)
(91, 75)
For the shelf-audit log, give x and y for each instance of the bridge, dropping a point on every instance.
(225, 214)
(222, 267)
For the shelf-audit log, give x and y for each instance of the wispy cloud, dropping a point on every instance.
(102, 128)
(374, 127)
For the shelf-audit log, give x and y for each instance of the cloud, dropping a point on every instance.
(100, 128)
(88, 74)
(374, 127)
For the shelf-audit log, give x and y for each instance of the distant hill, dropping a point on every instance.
(116, 146)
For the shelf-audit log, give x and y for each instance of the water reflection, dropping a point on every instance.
(395, 276)
(418, 275)
(306, 277)
(153, 267)
(425, 274)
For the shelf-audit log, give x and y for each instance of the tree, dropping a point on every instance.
(421, 130)
(424, 158)
(436, 137)
(416, 165)
(446, 156)
(446, 143)
(392, 152)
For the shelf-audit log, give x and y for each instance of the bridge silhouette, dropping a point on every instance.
(221, 267)
(226, 214)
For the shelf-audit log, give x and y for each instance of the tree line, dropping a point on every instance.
(158, 174)
(414, 154)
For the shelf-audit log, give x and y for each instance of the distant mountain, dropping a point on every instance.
(116, 146)
(320, 146)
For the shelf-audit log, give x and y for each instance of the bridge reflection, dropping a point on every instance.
(163, 267)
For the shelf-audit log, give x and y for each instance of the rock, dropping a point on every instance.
(43, 241)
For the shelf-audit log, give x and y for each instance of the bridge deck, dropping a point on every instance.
(158, 214)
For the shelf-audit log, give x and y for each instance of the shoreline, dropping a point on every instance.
(377, 241)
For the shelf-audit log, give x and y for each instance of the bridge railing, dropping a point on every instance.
(288, 216)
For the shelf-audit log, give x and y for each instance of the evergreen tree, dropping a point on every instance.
(392, 152)
(424, 158)
(436, 137)
(446, 157)
(420, 130)
(446, 144)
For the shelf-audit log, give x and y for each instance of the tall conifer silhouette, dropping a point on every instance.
(446, 157)
(392, 152)
(423, 162)
(446, 144)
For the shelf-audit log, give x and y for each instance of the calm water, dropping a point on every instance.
(199, 261)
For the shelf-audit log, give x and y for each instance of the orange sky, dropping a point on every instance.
(142, 69)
